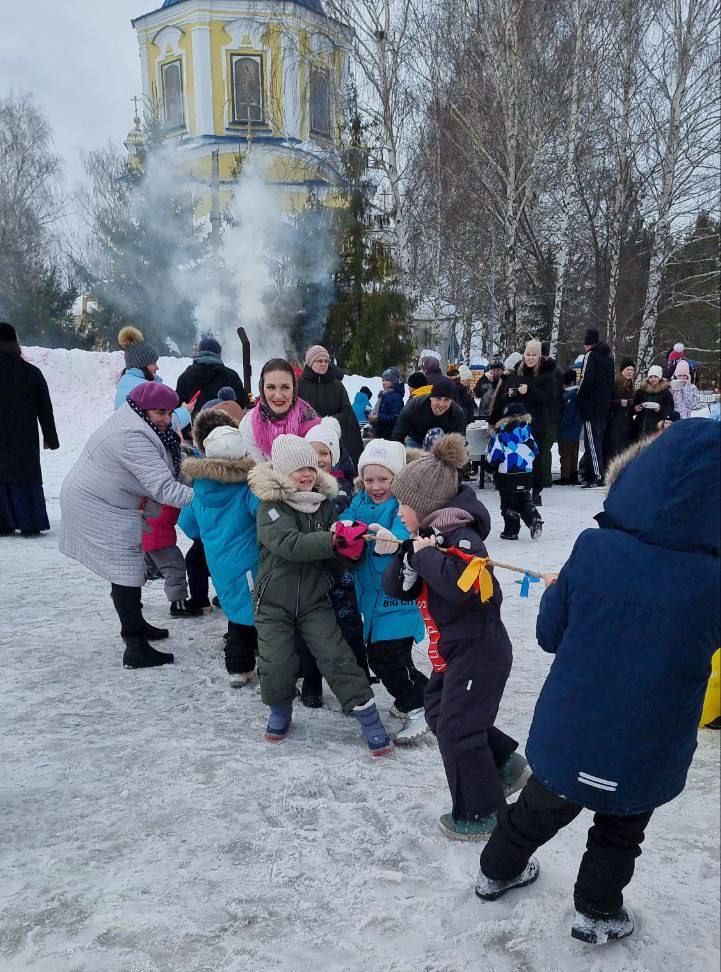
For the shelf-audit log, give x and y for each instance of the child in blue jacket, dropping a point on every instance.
(616, 723)
(223, 516)
(390, 626)
(512, 452)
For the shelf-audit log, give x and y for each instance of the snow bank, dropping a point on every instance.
(82, 386)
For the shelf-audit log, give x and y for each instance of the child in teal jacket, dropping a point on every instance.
(390, 626)
(223, 516)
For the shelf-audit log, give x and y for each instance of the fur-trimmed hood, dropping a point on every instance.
(511, 421)
(658, 389)
(271, 486)
(207, 420)
(218, 470)
(619, 463)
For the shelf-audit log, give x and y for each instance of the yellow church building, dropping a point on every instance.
(264, 75)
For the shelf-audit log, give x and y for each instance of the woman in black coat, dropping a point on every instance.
(24, 401)
(619, 428)
(319, 386)
(652, 403)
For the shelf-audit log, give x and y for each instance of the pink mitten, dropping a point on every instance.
(349, 539)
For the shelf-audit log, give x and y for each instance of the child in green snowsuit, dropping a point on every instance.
(298, 567)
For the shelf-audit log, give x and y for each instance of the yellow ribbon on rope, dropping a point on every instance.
(477, 570)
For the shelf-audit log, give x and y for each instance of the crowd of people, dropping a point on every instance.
(332, 558)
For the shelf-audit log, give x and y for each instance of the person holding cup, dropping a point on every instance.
(652, 403)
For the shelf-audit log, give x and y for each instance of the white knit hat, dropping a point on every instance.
(383, 452)
(427, 353)
(655, 371)
(225, 442)
(291, 453)
(679, 348)
(332, 423)
(327, 436)
(512, 360)
(465, 373)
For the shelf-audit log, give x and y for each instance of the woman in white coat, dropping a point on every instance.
(128, 467)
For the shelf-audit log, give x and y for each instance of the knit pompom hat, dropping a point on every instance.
(534, 347)
(153, 394)
(327, 436)
(383, 452)
(314, 352)
(428, 483)
(225, 442)
(291, 453)
(512, 360)
(655, 371)
(138, 353)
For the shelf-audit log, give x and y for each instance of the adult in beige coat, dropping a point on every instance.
(127, 470)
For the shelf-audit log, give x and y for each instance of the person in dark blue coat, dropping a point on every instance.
(390, 404)
(615, 725)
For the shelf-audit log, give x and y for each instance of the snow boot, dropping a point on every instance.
(311, 692)
(511, 525)
(184, 609)
(379, 742)
(536, 529)
(240, 679)
(414, 726)
(476, 830)
(139, 654)
(598, 931)
(279, 722)
(152, 633)
(536, 498)
(489, 890)
(515, 773)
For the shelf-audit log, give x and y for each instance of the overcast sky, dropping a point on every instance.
(79, 58)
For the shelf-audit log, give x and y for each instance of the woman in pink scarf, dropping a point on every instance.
(278, 410)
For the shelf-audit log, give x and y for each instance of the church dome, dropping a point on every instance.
(314, 5)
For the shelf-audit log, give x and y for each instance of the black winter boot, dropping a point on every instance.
(311, 693)
(139, 654)
(154, 634)
(511, 525)
(184, 609)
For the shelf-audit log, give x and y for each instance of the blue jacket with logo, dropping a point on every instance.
(634, 620)
(384, 617)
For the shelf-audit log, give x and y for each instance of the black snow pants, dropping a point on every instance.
(606, 868)
(517, 505)
(461, 706)
(392, 661)
(240, 648)
(198, 574)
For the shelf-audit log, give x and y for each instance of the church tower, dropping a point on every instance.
(229, 75)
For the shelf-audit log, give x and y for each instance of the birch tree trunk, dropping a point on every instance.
(583, 9)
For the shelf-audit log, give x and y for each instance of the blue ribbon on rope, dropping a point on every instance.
(526, 582)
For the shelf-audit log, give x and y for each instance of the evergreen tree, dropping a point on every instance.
(367, 327)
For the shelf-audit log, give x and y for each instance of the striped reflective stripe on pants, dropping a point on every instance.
(591, 445)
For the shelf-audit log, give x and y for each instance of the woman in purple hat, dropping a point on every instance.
(128, 467)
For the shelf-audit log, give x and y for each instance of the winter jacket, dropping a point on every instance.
(633, 621)
(134, 377)
(685, 399)
(595, 389)
(539, 398)
(485, 391)
(223, 516)
(646, 421)
(512, 449)
(298, 565)
(570, 428)
(161, 530)
(619, 427)
(384, 618)
(326, 394)
(459, 616)
(207, 374)
(389, 408)
(361, 407)
(467, 403)
(417, 418)
(254, 449)
(24, 401)
(123, 467)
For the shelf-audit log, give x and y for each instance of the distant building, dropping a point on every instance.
(230, 74)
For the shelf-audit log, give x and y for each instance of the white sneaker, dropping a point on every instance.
(414, 726)
(239, 681)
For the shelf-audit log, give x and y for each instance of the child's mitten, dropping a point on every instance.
(386, 543)
(349, 538)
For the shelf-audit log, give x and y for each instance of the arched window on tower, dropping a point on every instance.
(247, 89)
(172, 77)
(319, 102)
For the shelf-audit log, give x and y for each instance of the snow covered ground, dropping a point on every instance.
(145, 826)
